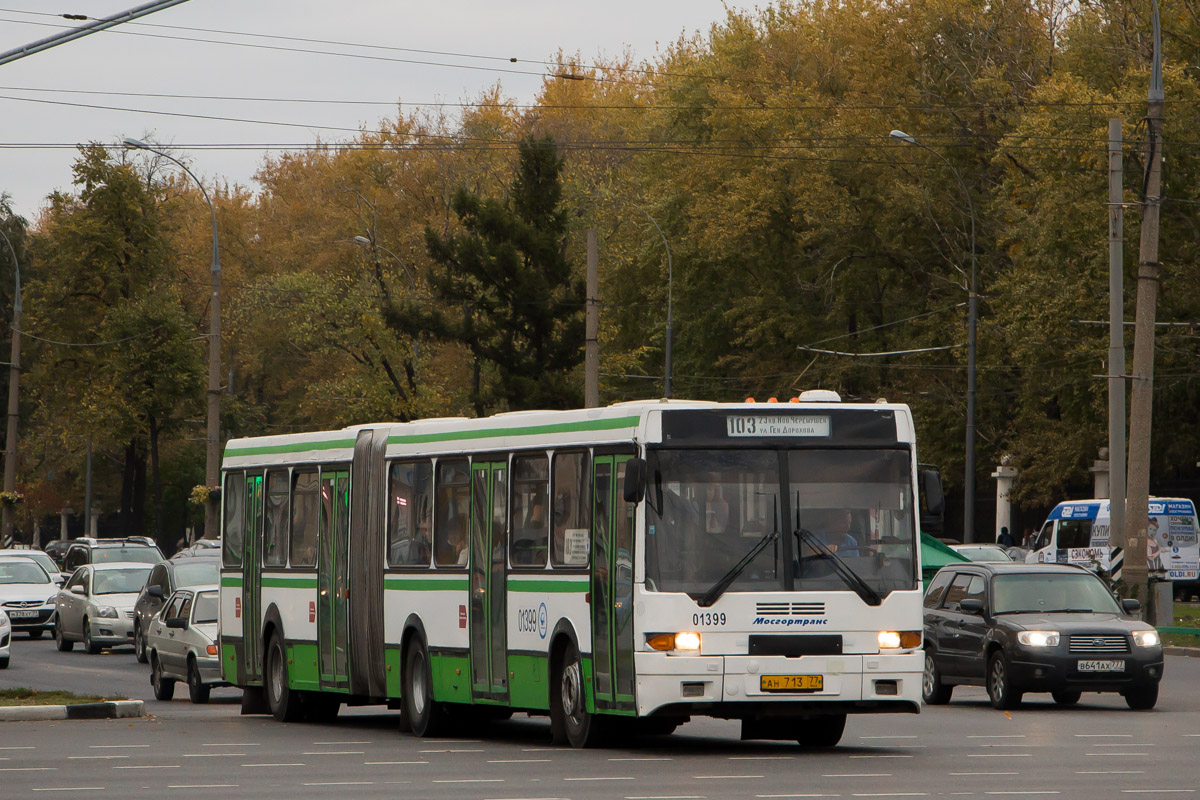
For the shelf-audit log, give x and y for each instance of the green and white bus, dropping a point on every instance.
(632, 565)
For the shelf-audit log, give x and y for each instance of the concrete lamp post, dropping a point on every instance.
(212, 459)
(972, 323)
(14, 380)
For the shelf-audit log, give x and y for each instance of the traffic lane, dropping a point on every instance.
(1061, 755)
(38, 664)
(1096, 749)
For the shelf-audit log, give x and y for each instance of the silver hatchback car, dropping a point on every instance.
(182, 644)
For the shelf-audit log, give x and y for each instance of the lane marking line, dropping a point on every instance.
(996, 736)
(725, 777)
(1109, 755)
(114, 746)
(92, 758)
(336, 743)
(480, 750)
(761, 758)
(151, 766)
(215, 755)
(322, 753)
(999, 755)
(274, 765)
(965, 774)
(857, 775)
(222, 744)
(642, 758)
(890, 755)
(342, 783)
(202, 786)
(519, 761)
(390, 763)
(1110, 772)
(470, 780)
(613, 778)
(70, 789)
(28, 769)
(1158, 791)
(1104, 736)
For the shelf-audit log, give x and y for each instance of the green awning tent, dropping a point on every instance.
(934, 556)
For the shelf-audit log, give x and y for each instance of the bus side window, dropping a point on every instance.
(530, 520)
(410, 500)
(234, 501)
(451, 515)
(275, 531)
(1074, 533)
(570, 511)
(305, 507)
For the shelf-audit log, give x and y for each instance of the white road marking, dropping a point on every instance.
(70, 789)
(1124, 744)
(796, 795)
(274, 765)
(479, 750)
(965, 774)
(534, 749)
(19, 747)
(470, 780)
(202, 786)
(151, 766)
(390, 763)
(1110, 772)
(996, 736)
(906, 736)
(890, 794)
(519, 761)
(92, 758)
(888, 755)
(613, 778)
(1104, 736)
(443, 741)
(342, 783)
(215, 755)
(1027, 791)
(1109, 755)
(225, 744)
(114, 746)
(761, 758)
(1158, 791)
(663, 797)
(724, 777)
(857, 775)
(333, 743)
(999, 755)
(329, 753)
(28, 769)
(641, 758)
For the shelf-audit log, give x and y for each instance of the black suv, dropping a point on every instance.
(101, 551)
(1018, 628)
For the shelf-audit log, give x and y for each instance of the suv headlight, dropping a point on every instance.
(107, 611)
(1038, 638)
(1146, 638)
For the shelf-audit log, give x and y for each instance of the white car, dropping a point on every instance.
(95, 606)
(5, 640)
(46, 562)
(182, 644)
(26, 595)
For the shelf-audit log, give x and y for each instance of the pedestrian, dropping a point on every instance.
(1005, 538)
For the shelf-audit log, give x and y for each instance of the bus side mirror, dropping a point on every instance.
(635, 480)
(933, 501)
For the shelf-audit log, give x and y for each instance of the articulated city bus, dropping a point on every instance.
(633, 565)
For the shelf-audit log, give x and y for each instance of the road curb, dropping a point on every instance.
(1176, 650)
(111, 709)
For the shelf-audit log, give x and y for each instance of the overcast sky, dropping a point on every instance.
(140, 58)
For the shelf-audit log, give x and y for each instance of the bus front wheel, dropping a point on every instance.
(570, 722)
(424, 716)
(823, 731)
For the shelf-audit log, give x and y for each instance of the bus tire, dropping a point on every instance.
(425, 717)
(570, 722)
(822, 731)
(283, 702)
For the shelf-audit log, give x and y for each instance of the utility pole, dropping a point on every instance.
(1142, 385)
(1116, 337)
(591, 347)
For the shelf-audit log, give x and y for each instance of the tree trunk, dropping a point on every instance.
(156, 483)
(127, 471)
(138, 517)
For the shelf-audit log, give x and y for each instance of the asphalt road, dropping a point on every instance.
(1098, 749)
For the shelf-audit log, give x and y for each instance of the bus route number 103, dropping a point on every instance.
(709, 618)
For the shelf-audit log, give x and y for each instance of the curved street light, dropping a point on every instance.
(14, 379)
(972, 320)
(670, 286)
(365, 242)
(212, 459)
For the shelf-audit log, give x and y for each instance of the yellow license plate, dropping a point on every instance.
(791, 683)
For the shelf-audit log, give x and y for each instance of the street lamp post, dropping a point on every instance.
(212, 460)
(14, 378)
(972, 321)
(365, 242)
(667, 367)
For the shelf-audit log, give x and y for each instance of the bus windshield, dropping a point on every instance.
(707, 509)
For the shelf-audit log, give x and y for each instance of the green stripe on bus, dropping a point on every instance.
(295, 447)
(616, 423)
(426, 584)
(521, 585)
(231, 580)
(290, 583)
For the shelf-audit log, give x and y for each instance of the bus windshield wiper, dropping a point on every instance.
(852, 578)
(720, 586)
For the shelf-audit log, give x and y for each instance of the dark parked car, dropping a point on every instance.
(57, 550)
(165, 578)
(1018, 628)
(102, 551)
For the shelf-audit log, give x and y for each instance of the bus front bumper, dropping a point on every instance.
(736, 686)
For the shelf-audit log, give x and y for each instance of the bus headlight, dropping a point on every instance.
(1146, 638)
(687, 641)
(896, 640)
(1038, 638)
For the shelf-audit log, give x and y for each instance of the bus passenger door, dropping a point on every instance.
(333, 585)
(612, 586)
(489, 511)
(252, 578)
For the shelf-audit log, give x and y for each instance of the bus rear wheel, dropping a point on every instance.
(570, 722)
(823, 731)
(283, 702)
(424, 716)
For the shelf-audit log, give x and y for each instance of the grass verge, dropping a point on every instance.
(32, 697)
(1187, 615)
